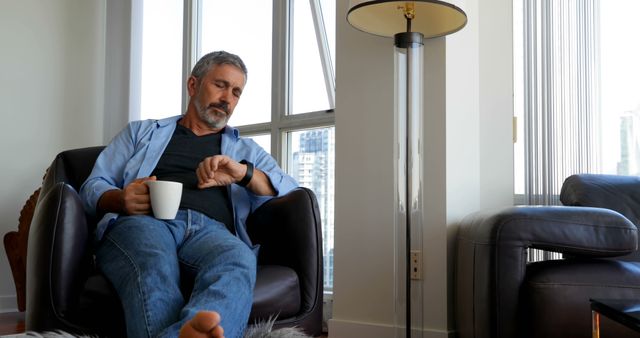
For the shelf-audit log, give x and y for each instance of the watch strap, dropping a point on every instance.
(248, 176)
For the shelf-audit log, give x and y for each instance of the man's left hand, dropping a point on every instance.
(219, 170)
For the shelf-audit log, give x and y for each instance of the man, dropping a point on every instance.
(224, 178)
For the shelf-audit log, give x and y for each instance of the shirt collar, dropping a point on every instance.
(167, 121)
(229, 130)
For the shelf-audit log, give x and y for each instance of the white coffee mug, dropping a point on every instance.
(165, 198)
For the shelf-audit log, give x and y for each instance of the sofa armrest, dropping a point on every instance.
(288, 229)
(57, 257)
(492, 257)
(616, 192)
(580, 231)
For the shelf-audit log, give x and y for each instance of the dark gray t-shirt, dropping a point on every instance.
(179, 163)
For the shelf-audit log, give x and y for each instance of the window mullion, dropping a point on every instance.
(279, 76)
(191, 42)
(308, 120)
(323, 48)
(135, 75)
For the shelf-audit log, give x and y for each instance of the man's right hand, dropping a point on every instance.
(132, 200)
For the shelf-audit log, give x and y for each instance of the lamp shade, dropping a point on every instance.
(432, 18)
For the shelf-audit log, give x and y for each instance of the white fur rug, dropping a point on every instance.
(260, 330)
(265, 330)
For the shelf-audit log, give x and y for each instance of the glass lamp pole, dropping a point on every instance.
(409, 105)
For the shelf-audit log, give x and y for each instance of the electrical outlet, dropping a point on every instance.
(416, 265)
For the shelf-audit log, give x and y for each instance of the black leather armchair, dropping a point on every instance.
(500, 294)
(64, 290)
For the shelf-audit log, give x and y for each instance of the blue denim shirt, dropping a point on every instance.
(136, 150)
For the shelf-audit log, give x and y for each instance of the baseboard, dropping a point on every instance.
(327, 310)
(8, 303)
(350, 329)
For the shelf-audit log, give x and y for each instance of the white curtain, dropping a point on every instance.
(561, 94)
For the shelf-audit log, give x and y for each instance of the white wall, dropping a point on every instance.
(364, 201)
(51, 97)
(467, 166)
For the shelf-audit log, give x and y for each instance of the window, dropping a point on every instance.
(311, 162)
(313, 83)
(620, 76)
(219, 29)
(287, 104)
(161, 67)
(576, 81)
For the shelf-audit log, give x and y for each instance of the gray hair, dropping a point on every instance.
(206, 62)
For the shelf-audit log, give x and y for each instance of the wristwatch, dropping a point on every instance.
(247, 177)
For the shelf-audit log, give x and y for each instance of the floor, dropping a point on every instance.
(13, 322)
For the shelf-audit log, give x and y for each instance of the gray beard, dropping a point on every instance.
(211, 121)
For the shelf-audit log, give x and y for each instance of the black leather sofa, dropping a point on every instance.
(65, 292)
(500, 294)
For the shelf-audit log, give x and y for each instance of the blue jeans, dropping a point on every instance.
(143, 258)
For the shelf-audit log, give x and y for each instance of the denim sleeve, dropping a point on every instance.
(109, 170)
(281, 181)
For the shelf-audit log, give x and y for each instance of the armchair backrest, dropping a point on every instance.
(72, 167)
(615, 192)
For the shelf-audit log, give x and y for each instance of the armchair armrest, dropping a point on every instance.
(57, 257)
(288, 229)
(492, 257)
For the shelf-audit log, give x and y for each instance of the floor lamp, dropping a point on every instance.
(408, 22)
